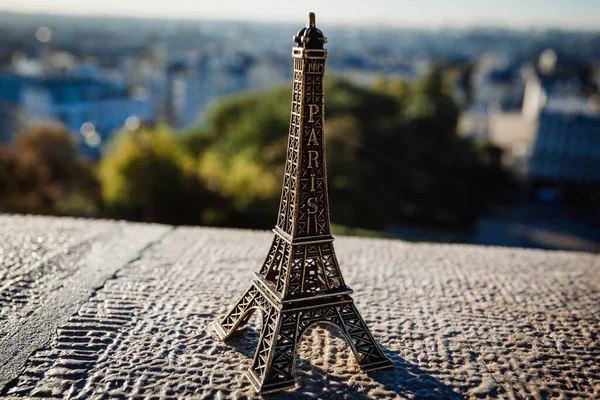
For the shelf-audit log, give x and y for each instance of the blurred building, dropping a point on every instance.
(562, 98)
(560, 85)
(494, 89)
(514, 134)
(566, 150)
(555, 134)
(148, 76)
(29, 101)
(192, 84)
(496, 84)
(195, 83)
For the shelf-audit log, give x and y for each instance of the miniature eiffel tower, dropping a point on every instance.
(300, 283)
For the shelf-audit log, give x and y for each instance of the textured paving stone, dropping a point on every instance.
(35, 260)
(457, 321)
(46, 303)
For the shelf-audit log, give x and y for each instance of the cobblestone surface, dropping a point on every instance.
(457, 321)
(34, 261)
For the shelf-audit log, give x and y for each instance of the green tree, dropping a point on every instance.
(394, 87)
(44, 174)
(431, 105)
(148, 175)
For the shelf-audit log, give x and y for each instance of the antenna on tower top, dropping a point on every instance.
(310, 20)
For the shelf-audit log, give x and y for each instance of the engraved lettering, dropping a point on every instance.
(312, 110)
(312, 139)
(313, 155)
(312, 182)
(313, 206)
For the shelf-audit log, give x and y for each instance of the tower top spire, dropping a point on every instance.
(310, 37)
(310, 20)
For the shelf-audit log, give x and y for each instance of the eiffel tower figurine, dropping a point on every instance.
(300, 283)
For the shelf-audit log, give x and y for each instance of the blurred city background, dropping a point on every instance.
(446, 121)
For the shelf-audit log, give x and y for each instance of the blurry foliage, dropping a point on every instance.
(43, 173)
(148, 175)
(393, 155)
(394, 87)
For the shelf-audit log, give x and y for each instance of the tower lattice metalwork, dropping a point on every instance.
(300, 283)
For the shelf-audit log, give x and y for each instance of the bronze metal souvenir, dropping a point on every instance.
(300, 283)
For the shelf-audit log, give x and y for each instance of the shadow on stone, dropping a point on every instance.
(408, 380)
(244, 341)
(404, 380)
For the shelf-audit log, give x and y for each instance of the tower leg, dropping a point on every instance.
(365, 348)
(274, 364)
(239, 314)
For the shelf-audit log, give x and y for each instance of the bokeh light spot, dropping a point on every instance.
(93, 140)
(87, 129)
(43, 34)
(132, 123)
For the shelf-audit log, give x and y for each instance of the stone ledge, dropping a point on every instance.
(91, 308)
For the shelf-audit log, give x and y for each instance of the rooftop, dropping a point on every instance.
(92, 307)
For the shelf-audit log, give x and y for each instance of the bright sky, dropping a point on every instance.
(572, 14)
